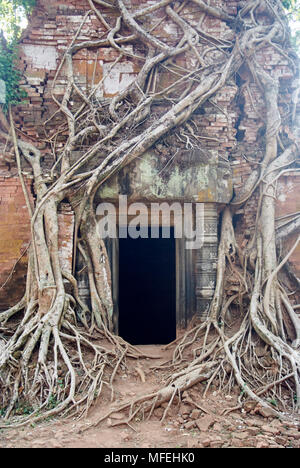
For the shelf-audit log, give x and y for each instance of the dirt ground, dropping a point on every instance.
(192, 422)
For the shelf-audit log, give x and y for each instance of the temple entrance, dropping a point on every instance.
(159, 285)
(147, 290)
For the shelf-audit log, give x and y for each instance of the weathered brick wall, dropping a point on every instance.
(234, 114)
(52, 29)
(14, 238)
(288, 202)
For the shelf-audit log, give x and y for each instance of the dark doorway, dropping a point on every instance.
(147, 290)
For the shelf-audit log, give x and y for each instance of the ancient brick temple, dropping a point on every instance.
(210, 175)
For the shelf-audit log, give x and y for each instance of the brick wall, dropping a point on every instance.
(15, 237)
(14, 240)
(288, 202)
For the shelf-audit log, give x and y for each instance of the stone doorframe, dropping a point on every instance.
(195, 272)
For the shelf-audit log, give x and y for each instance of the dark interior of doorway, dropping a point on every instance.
(147, 290)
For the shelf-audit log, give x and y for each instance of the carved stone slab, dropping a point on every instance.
(185, 176)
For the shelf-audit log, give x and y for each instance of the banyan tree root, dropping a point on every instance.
(147, 403)
(209, 367)
(51, 361)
